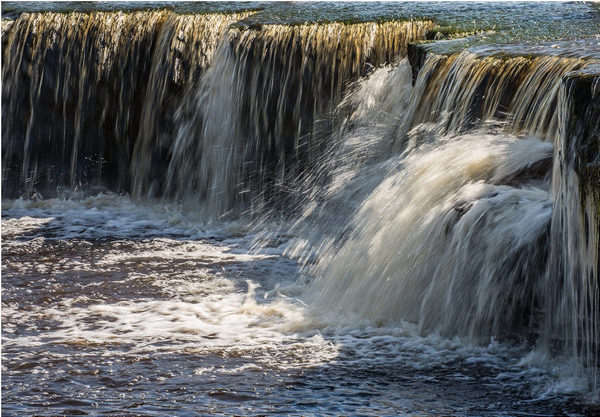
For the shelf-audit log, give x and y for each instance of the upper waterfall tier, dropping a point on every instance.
(78, 87)
(518, 83)
(127, 100)
(261, 115)
(99, 98)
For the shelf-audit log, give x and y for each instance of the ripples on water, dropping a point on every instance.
(114, 308)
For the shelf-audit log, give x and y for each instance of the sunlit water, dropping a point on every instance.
(113, 307)
(372, 243)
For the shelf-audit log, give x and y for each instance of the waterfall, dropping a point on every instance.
(445, 241)
(449, 234)
(573, 291)
(469, 229)
(95, 108)
(86, 96)
(185, 49)
(460, 194)
(463, 90)
(262, 109)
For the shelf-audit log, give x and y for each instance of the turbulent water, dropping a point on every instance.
(134, 310)
(234, 211)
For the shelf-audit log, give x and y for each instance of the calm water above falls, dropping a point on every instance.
(221, 211)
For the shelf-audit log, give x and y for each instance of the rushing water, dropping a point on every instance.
(133, 310)
(228, 210)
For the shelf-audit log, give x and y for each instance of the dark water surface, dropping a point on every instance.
(109, 308)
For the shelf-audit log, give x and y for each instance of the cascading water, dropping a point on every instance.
(465, 89)
(385, 223)
(82, 93)
(453, 233)
(573, 288)
(285, 80)
(66, 99)
(451, 239)
(185, 49)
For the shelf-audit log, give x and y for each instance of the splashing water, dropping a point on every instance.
(285, 81)
(377, 235)
(411, 253)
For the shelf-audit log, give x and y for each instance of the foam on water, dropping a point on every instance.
(121, 280)
(410, 272)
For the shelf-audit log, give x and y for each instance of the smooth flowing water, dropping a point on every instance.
(257, 209)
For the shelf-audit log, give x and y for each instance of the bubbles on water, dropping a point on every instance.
(100, 313)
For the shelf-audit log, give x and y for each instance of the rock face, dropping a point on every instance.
(578, 153)
(416, 54)
(581, 133)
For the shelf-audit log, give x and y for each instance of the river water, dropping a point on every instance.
(111, 307)
(229, 213)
